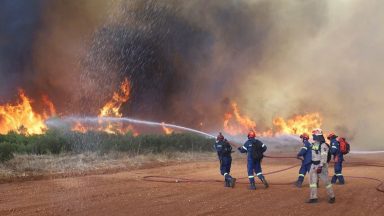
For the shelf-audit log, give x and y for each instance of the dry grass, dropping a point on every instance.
(24, 166)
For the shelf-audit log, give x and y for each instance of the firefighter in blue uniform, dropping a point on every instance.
(224, 150)
(254, 149)
(306, 154)
(338, 158)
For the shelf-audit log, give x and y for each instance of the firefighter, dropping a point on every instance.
(319, 167)
(338, 159)
(254, 149)
(306, 154)
(224, 150)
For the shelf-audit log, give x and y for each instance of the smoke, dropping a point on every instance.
(187, 60)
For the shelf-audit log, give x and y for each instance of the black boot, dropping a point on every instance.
(332, 200)
(226, 183)
(312, 201)
(266, 185)
(252, 186)
(232, 182)
(334, 179)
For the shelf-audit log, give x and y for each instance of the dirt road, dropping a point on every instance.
(126, 193)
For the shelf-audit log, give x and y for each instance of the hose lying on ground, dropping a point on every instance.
(170, 179)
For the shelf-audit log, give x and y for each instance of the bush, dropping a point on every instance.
(6, 151)
(55, 142)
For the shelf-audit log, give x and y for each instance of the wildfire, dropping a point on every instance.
(21, 117)
(166, 130)
(235, 123)
(298, 124)
(112, 107)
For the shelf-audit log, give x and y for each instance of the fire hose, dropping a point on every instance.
(170, 179)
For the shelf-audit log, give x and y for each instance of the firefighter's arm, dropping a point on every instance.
(302, 151)
(242, 149)
(264, 147)
(334, 148)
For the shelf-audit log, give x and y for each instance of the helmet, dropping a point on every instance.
(251, 134)
(220, 137)
(304, 136)
(317, 132)
(331, 136)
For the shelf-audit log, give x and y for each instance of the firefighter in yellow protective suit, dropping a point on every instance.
(319, 167)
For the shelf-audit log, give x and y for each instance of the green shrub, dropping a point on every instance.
(6, 151)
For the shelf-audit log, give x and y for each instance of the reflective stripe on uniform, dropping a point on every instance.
(259, 173)
(301, 175)
(251, 176)
(334, 147)
(304, 148)
(324, 153)
(329, 186)
(313, 185)
(339, 174)
(263, 145)
(244, 148)
(225, 174)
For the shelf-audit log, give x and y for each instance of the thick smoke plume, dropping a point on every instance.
(187, 60)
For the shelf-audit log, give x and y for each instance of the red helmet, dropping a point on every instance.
(220, 137)
(304, 136)
(331, 136)
(317, 132)
(251, 134)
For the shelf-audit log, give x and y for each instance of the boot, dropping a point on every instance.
(298, 184)
(334, 179)
(252, 186)
(266, 185)
(312, 201)
(226, 183)
(232, 182)
(332, 200)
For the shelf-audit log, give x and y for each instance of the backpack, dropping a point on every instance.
(329, 155)
(344, 145)
(257, 150)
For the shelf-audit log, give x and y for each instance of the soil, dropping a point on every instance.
(132, 193)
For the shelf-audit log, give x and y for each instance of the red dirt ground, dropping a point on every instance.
(126, 193)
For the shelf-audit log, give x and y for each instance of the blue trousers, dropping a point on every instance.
(225, 167)
(303, 170)
(254, 166)
(338, 175)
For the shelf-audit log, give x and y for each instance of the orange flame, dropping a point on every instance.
(112, 108)
(298, 124)
(166, 130)
(21, 117)
(236, 124)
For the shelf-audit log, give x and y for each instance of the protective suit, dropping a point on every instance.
(224, 150)
(319, 168)
(306, 153)
(338, 159)
(254, 149)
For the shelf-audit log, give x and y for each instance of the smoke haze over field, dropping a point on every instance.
(187, 60)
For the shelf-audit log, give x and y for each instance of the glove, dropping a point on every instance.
(319, 169)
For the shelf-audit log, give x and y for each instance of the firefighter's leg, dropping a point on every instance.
(228, 177)
(223, 171)
(313, 182)
(339, 175)
(334, 177)
(259, 173)
(324, 177)
(302, 172)
(251, 177)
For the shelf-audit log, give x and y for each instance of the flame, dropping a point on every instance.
(112, 107)
(21, 117)
(236, 123)
(298, 124)
(166, 130)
